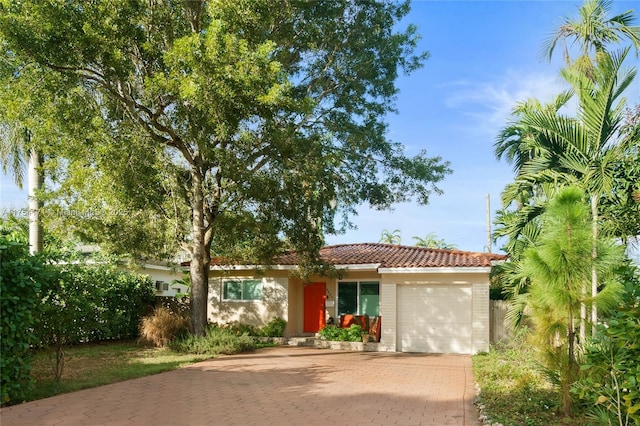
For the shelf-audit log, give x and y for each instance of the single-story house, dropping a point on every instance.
(428, 300)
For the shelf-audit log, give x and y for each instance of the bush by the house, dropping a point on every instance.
(20, 276)
(216, 341)
(162, 326)
(239, 329)
(274, 328)
(351, 334)
(174, 304)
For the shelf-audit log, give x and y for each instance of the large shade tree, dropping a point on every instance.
(262, 125)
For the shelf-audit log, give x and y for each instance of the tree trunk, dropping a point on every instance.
(35, 182)
(569, 375)
(594, 257)
(200, 259)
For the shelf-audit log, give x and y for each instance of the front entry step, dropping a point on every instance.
(301, 341)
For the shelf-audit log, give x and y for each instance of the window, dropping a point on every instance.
(162, 286)
(359, 298)
(242, 290)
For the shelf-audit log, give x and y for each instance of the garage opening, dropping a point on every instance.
(434, 318)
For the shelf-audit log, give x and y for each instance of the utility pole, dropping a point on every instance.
(489, 223)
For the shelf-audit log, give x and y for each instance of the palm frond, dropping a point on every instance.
(14, 151)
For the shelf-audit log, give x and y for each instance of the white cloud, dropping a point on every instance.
(488, 104)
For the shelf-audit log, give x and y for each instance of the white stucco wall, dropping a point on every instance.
(165, 274)
(274, 302)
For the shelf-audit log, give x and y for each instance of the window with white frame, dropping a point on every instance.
(359, 298)
(242, 290)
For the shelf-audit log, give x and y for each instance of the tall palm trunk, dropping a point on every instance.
(583, 313)
(35, 182)
(594, 257)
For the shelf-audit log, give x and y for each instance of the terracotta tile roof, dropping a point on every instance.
(394, 256)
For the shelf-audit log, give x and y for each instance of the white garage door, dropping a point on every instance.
(434, 318)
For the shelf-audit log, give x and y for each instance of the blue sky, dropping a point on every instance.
(484, 59)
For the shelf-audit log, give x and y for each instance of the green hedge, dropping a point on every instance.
(88, 303)
(20, 277)
(53, 303)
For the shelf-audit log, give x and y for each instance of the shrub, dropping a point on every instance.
(174, 304)
(351, 334)
(513, 389)
(216, 341)
(274, 328)
(20, 276)
(88, 303)
(63, 303)
(161, 327)
(329, 332)
(239, 329)
(124, 298)
(610, 384)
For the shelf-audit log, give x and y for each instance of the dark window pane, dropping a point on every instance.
(252, 290)
(232, 290)
(347, 298)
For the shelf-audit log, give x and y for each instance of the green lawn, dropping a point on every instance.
(513, 389)
(91, 365)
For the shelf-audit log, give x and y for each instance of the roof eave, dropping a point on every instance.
(252, 267)
(438, 270)
(359, 267)
(350, 267)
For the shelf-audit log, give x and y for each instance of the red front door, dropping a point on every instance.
(315, 295)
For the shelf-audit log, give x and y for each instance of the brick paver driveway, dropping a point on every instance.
(276, 386)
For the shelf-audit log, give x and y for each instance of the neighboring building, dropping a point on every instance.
(163, 276)
(428, 300)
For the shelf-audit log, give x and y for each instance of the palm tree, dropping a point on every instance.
(593, 30)
(432, 241)
(519, 226)
(15, 146)
(584, 148)
(390, 237)
(517, 143)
